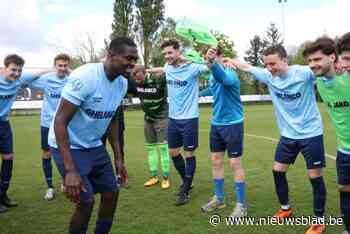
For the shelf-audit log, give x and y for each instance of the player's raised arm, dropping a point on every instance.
(258, 73)
(27, 78)
(43, 72)
(224, 77)
(38, 83)
(235, 63)
(114, 141)
(73, 181)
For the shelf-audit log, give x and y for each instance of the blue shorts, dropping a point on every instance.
(343, 168)
(184, 133)
(312, 148)
(228, 138)
(95, 168)
(44, 138)
(6, 138)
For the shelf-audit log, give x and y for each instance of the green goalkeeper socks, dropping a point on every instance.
(152, 159)
(164, 157)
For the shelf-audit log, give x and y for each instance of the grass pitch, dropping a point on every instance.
(152, 210)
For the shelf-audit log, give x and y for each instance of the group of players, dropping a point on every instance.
(80, 109)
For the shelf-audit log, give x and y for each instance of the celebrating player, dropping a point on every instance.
(226, 133)
(87, 107)
(52, 85)
(11, 80)
(183, 89)
(335, 92)
(300, 125)
(153, 95)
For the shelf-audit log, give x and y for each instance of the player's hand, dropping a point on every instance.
(236, 64)
(122, 172)
(211, 55)
(74, 185)
(229, 63)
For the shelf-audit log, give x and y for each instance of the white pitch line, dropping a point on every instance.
(262, 137)
(331, 156)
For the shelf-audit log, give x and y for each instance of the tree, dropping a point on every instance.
(273, 36)
(140, 20)
(166, 31)
(81, 48)
(123, 21)
(150, 16)
(123, 18)
(226, 44)
(297, 57)
(254, 53)
(254, 58)
(85, 51)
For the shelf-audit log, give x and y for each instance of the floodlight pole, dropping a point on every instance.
(283, 17)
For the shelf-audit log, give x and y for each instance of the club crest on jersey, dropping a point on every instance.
(77, 84)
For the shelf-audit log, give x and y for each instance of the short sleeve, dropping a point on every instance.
(224, 76)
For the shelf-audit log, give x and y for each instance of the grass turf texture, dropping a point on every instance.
(152, 210)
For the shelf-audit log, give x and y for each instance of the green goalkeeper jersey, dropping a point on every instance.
(336, 95)
(153, 97)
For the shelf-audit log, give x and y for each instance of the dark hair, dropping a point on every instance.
(171, 42)
(343, 43)
(64, 57)
(118, 44)
(13, 58)
(276, 49)
(325, 44)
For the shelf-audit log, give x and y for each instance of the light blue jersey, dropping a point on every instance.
(224, 86)
(52, 86)
(8, 93)
(293, 96)
(97, 99)
(183, 89)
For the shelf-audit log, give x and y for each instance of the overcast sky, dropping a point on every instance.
(38, 29)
